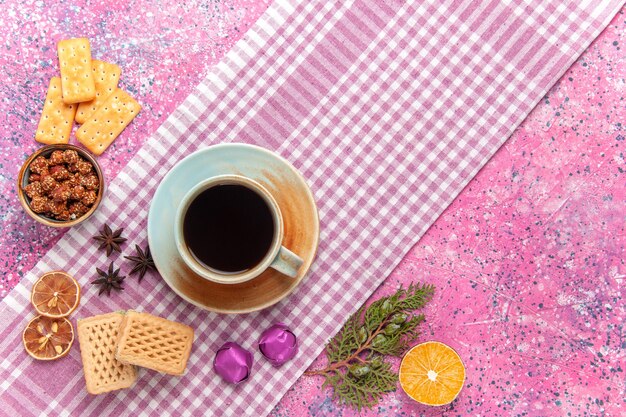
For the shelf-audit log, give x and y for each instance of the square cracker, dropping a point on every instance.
(154, 342)
(76, 73)
(113, 115)
(57, 118)
(106, 77)
(97, 337)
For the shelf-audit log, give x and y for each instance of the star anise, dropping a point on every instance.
(110, 240)
(143, 261)
(109, 280)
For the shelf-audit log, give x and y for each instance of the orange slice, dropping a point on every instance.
(47, 339)
(432, 373)
(56, 294)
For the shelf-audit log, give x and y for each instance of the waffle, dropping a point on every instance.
(154, 342)
(97, 337)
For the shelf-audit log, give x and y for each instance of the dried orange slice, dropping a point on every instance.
(47, 339)
(432, 373)
(56, 294)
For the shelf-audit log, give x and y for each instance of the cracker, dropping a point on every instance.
(113, 115)
(97, 337)
(57, 117)
(76, 74)
(154, 342)
(106, 77)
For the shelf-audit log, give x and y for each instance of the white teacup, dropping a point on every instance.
(277, 257)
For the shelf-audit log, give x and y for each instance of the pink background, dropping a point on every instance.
(528, 261)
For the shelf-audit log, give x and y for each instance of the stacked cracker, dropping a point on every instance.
(112, 344)
(86, 92)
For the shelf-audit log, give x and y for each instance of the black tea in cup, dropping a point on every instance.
(228, 228)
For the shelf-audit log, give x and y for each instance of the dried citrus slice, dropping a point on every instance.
(47, 339)
(56, 294)
(432, 373)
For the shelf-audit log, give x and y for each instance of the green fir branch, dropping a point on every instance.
(357, 371)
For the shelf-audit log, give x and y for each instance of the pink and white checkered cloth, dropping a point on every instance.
(387, 108)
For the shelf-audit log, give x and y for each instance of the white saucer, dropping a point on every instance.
(293, 197)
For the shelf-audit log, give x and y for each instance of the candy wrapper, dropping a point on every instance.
(278, 344)
(233, 363)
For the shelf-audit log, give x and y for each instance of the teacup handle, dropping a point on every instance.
(287, 262)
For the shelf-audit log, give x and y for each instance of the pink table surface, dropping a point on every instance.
(528, 261)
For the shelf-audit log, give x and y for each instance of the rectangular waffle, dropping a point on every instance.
(154, 342)
(97, 337)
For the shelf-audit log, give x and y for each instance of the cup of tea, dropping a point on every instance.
(229, 229)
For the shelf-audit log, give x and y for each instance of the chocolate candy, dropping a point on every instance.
(278, 344)
(233, 363)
